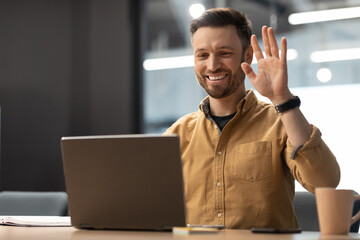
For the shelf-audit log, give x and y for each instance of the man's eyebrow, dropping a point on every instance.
(219, 48)
(227, 47)
(199, 50)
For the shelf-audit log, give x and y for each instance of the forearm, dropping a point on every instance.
(297, 127)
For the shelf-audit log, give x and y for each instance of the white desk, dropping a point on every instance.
(65, 233)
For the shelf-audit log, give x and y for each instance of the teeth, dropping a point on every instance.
(217, 77)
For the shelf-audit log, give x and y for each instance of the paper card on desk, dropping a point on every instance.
(191, 230)
(36, 221)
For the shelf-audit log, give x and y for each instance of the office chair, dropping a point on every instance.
(33, 203)
(306, 212)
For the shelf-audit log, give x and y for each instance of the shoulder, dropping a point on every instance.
(263, 115)
(257, 107)
(267, 109)
(185, 124)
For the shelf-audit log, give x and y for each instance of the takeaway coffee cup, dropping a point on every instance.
(335, 209)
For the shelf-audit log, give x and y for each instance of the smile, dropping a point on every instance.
(215, 78)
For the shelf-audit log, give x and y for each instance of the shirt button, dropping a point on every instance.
(218, 184)
(219, 215)
(219, 153)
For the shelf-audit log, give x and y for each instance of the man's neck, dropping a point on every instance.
(227, 105)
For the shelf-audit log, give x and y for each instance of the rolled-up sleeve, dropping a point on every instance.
(313, 164)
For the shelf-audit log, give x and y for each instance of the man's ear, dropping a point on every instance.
(249, 54)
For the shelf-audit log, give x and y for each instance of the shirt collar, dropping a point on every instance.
(205, 107)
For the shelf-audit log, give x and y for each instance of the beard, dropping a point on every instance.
(234, 81)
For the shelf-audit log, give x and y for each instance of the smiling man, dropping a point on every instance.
(240, 155)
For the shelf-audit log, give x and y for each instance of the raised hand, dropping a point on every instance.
(271, 80)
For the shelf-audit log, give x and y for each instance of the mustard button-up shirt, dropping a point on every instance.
(243, 176)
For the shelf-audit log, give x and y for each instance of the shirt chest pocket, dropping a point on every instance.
(251, 161)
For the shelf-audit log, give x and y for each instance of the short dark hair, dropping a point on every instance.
(220, 17)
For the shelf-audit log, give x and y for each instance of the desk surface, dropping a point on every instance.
(64, 233)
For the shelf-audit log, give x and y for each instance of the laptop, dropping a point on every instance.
(131, 182)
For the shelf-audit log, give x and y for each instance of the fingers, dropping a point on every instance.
(273, 44)
(248, 71)
(271, 48)
(283, 49)
(257, 50)
(266, 42)
(270, 44)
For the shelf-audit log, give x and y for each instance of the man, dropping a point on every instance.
(240, 156)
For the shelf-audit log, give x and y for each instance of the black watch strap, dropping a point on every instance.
(292, 103)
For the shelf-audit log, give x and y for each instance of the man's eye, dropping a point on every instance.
(226, 53)
(202, 55)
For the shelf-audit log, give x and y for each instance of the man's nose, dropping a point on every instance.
(213, 63)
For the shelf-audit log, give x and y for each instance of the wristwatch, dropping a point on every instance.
(292, 103)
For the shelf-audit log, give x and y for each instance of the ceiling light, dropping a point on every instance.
(196, 10)
(168, 63)
(335, 55)
(324, 75)
(324, 15)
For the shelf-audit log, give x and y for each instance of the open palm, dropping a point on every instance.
(271, 80)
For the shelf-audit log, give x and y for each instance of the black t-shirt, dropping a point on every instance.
(222, 121)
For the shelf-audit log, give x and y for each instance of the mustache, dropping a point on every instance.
(220, 70)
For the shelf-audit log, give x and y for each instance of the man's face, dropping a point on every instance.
(218, 54)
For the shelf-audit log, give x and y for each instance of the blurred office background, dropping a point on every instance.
(85, 67)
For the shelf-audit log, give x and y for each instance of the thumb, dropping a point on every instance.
(248, 71)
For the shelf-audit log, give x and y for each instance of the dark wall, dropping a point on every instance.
(66, 68)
